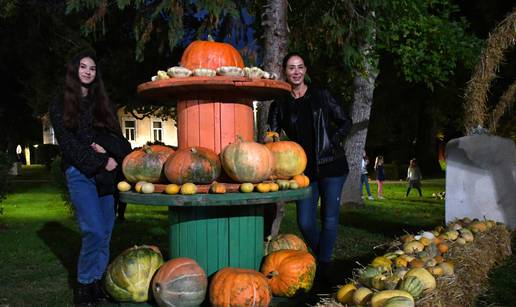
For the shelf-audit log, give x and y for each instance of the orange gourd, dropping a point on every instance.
(210, 54)
(239, 287)
(302, 180)
(289, 271)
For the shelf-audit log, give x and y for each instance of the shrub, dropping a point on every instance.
(5, 165)
(60, 181)
(46, 153)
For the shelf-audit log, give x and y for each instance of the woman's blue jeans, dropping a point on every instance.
(365, 181)
(96, 217)
(321, 241)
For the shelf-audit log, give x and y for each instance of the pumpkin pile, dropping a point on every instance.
(419, 268)
(139, 271)
(275, 166)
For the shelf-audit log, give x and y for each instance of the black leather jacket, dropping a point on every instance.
(331, 123)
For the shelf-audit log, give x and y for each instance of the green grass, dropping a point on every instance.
(39, 239)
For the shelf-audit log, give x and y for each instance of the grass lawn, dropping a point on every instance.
(39, 239)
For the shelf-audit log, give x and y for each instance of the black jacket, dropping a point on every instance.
(331, 124)
(75, 143)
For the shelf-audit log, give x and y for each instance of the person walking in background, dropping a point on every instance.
(380, 175)
(77, 116)
(313, 117)
(414, 177)
(363, 177)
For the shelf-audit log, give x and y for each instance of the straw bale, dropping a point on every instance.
(472, 261)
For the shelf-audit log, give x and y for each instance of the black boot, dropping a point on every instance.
(84, 296)
(98, 293)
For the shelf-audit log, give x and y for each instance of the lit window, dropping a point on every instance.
(130, 129)
(157, 131)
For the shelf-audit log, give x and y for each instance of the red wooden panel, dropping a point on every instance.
(182, 123)
(217, 128)
(192, 134)
(206, 124)
(227, 124)
(244, 121)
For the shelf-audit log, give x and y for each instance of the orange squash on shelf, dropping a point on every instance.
(247, 161)
(146, 163)
(239, 287)
(193, 164)
(302, 180)
(289, 158)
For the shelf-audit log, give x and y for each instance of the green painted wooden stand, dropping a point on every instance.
(217, 230)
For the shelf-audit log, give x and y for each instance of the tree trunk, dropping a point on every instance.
(274, 20)
(364, 84)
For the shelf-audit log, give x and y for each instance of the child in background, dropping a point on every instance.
(414, 177)
(380, 175)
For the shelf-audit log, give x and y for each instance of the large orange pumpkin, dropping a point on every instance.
(289, 271)
(146, 163)
(247, 161)
(289, 158)
(193, 164)
(285, 241)
(239, 287)
(180, 282)
(210, 54)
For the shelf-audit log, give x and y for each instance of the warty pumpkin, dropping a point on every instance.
(146, 163)
(289, 271)
(239, 287)
(285, 241)
(193, 164)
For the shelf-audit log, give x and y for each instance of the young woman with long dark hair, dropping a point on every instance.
(77, 116)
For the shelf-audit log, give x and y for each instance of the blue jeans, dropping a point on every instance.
(365, 180)
(96, 217)
(321, 242)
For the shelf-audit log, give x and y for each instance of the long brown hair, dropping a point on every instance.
(103, 116)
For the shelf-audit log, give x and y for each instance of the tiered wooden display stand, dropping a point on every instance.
(217, 230)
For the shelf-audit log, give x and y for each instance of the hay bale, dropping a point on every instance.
(473, 261)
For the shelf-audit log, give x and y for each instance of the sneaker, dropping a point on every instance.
(370, 198)
(381, 197)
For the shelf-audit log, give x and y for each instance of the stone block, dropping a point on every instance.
(481, 179)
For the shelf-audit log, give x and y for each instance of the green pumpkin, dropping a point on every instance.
(391, 282)
(399, 301)
(412, 285)
(129, 276)
(367, 275)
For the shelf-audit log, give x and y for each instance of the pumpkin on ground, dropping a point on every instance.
(247, 161)
(239, 287)
(210, 54)
(399, 301)
(193, 164)
(427, 279)
(345, 293)
(289, 271)
(289, 158)
(380, 298)
(129, 276)
(146, 163)
(412, 285)
(180, 282)
(285, 241)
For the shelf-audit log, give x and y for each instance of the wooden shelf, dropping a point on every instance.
(212, 88)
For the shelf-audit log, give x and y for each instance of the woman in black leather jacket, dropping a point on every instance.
(312, 117)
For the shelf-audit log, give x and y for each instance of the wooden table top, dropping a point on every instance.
(227, 199)
(218, 88)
